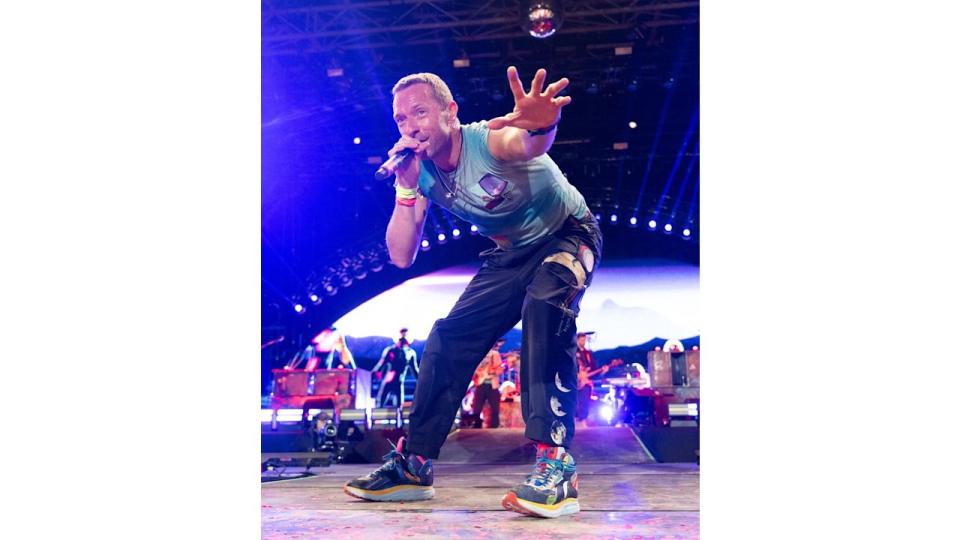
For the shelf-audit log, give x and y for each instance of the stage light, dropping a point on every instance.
(686, 233)
(299, 308)
(599, 217)
(542, 19)
(606, 412)
(463, 62)
(668, 228)
(696, 347)
(456, 233)
(345, 280)
(329, 288)
(632, 124)
(335, 72)
(314, 298)
(633, 221)
(441, 239)
(652, 224)
(473, 229)
(424, 245)
(376, 261)
(613, 218)
(356, 140)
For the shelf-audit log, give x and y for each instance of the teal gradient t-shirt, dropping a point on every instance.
(512, 203)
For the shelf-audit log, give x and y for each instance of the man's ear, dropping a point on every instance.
(452, 110)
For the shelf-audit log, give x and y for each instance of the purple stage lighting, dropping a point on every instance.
(633, 221)
(613, 218)
(473, 229)
(356, 140)
(668, 227)
(441, 238)
(455, 233)
(314, 298)
(652, 224)
(298, 308)
(424, 244)
(686, 232)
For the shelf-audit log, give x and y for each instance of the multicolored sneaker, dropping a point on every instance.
(551, 490)
(404, 477)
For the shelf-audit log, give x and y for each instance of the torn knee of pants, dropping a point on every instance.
(571, 263)
(559, 283)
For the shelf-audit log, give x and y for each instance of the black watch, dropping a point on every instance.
(543, 131)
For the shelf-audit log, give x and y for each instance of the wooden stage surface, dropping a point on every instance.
(623, 494)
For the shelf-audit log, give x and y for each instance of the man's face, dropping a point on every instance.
(418, 114)
(582, 341)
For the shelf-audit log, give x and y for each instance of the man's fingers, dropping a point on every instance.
(514, 79)
(556, 87)
(561, 101)
(537, 86)
(404, 143)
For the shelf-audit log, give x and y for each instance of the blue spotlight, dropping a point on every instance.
(686, 233)
(456, 233)
(599, 217)
(652, 224)
(633, 221)
(632, 124)
(473, 229)
(668, 228)
(613, 218)
(424, 245)
(441, 238)
(314, 298)
(356, 140)
(299, 308)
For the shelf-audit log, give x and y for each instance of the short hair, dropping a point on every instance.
(440, 89)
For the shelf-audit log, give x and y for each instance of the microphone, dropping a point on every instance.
(391, 165)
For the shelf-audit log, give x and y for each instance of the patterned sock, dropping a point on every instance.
(549, 451)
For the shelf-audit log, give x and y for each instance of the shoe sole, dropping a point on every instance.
(565, 507)
(396, 493)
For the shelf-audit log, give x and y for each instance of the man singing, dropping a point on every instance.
(496, 175)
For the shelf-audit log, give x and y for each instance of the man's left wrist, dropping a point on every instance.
(543, 130)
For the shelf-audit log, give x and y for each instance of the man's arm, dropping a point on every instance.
(530, 129)
(404, 231)
(406, 224)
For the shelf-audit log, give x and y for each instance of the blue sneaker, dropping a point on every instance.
(551, 490)
(404, 477)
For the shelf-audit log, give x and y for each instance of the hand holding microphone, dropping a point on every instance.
(399, 162)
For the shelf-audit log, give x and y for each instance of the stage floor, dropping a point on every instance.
(618, 500)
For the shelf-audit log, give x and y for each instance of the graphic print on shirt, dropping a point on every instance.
(496, 190)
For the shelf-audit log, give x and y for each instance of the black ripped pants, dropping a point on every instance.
(540, 285)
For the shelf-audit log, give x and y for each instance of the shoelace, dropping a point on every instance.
(391, 461)
(546, 468)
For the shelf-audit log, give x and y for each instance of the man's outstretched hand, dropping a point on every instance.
(534, 110)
